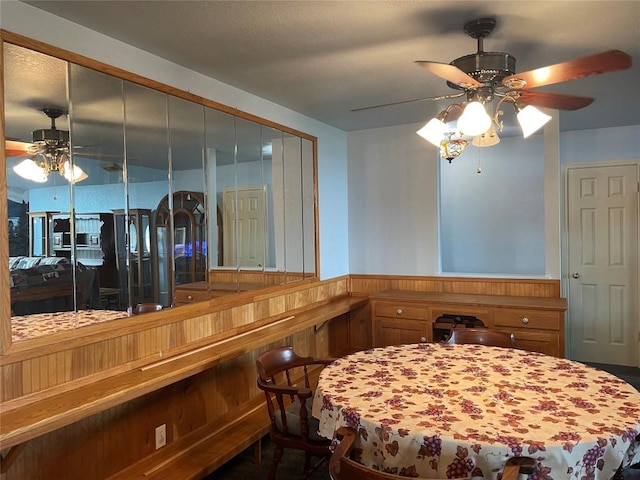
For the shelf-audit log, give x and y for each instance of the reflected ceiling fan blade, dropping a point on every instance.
(604, 62)
(14, 148)
(439, 97)
(450, 73)
(84, 151)
(554, 100)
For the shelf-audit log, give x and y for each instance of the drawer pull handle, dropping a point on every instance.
(525, 320)
(399, 311)
(189, 297)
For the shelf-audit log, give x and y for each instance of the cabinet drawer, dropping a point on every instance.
(401, 310)
(189, 296)
(516, 317)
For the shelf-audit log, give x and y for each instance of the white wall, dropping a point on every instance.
(620, 143)
(393, 200)
(25, 20)
(493, 222)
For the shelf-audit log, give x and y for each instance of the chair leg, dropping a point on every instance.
(307, 465)
(277, 456)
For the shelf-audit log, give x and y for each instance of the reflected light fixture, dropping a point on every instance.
(38, 167)
(50, 153)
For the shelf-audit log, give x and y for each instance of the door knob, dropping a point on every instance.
(575, 275)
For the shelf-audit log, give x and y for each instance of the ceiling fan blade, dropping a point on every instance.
(604, 62)
(554, 100)
(439, 97)
(14, 148)
(451, 73)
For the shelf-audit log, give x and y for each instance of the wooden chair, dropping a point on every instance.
(289, 406)
(342, 467)
(146, 308)
(482, 336)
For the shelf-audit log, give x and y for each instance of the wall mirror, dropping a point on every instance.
(138, 190)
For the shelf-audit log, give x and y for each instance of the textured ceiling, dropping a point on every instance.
(324, 58)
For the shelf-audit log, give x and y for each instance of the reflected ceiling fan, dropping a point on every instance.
(49, 152)
(484, 75)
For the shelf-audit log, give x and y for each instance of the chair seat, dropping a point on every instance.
(292, 414)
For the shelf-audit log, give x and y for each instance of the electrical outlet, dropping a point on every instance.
(161, 436)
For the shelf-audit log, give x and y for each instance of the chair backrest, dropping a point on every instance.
(146, 307)
(482, 336)
(342, 467)
(283, 375)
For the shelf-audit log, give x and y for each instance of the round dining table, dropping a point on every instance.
(436, 410)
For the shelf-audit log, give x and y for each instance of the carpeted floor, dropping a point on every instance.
(242, 466)
(631, 375)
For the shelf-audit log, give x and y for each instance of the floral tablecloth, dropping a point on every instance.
(450, 411)
(24, 327)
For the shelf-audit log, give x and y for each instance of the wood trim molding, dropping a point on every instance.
(527, 287)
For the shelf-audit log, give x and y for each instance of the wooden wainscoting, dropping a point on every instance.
(103, 434)
(370, 284)
(367, 285)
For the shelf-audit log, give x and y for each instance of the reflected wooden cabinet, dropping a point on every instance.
(188, 244)
(537, 323)
(136, 256)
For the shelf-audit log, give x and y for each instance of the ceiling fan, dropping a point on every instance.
(482, 76)
(49, 152)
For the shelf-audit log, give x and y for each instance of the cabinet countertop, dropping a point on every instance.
(542, 303)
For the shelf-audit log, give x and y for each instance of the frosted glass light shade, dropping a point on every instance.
(31, 171)
(433, 131)
(486, 139)
(76, 174)
(474, 120)
(531, 120)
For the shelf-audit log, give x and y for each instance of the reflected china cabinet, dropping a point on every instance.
(136, 255)
(189, 246)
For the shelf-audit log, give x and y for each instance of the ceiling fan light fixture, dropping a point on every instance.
(531, 119)
(434, 130)
(486, 139)
(30, 170)
(474, 119)
(75, 174)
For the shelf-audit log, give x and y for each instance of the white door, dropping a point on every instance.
(603, 264)
(250, 227)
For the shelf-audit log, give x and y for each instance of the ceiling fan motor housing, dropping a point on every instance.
(488, 68)
(51, 136)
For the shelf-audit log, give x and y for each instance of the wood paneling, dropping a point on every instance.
(371, 284)
(110, 440)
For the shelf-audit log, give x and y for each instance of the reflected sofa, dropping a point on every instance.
(45, 284)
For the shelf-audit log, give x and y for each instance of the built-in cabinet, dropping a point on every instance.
(411, 317)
